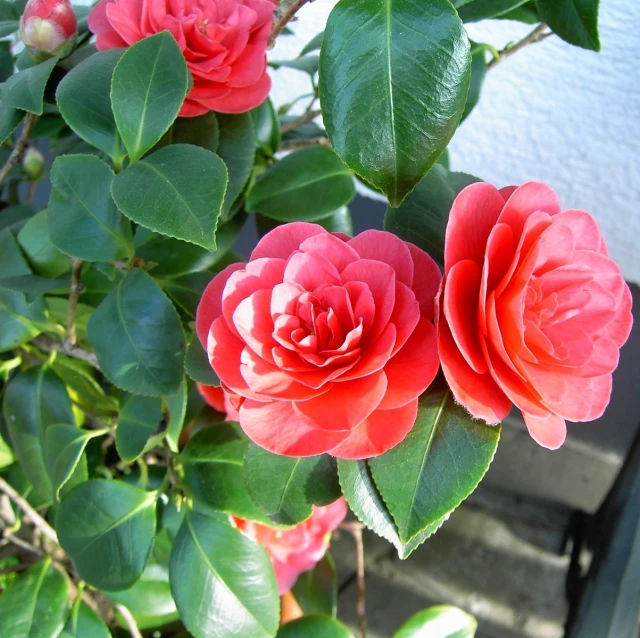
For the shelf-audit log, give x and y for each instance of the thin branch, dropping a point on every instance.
(22, 544)
(24, 505)
(47, 344)
(356, 531)
(307, 116)
(130, 620)
(537, 35)
(20, 147)
(295, 145)
(74, 292)
(283, 14)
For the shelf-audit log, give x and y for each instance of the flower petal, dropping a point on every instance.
(284, 240)
(549, 431)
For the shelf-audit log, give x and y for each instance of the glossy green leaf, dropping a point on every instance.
(475, 10)
(222, 581)
(575, 21)
(84, 100)
(200, 131)
(9, 120)
(316, 591)
(13, 262)
(148, 88)
(34, 400)
(439, 463)
(25, 89)
(197, 364)
(442, 621)
(308, 184)
(339, 221)
(213, 472)
(36, 242)
(186, 290)
(478, 72)
(307, 64)
(138, 421)
(177, 191)
(266, 127)
(527, 13)
(35, 604)
(107, 528)
(142, 324)
(32, 286)
(314, 627)
(313, 45)
(177, 406)
(459, 181)
(149, 600)
(285, 488)
(411, 60)
(83, 219)
(83, 622)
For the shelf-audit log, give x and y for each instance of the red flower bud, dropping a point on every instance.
(49, 27)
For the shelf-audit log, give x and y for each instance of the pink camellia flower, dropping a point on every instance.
(224, 43)
(532, 310)
(49, 27)
(219, 400)
(297, 549)
(328, 341)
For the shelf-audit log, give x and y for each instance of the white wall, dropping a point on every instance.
(552, 112)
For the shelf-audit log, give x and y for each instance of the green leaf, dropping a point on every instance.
(575, 21)
(313, 45)
(307, 64)
(213, 472)
(63, 455)
(197, 364)
(6, 454)
(137, 336)
(32, 286)
(237, 148)
(139, 420)
(314, 627)
(436, 467)
(266, 127)
(34, 400)
(7, 27)
(222, 581)
(285, 488)
(442, 621)
(186, 291)
(9, 120)
(83, 219)
(25, 89)
(84, 623)
(83, 98)
(316, 591)
(177, 406)
(476, 10)
(308, 184)
(147, 91)
(200, 131)
(19, 321)
(13, 263)
(35, 604)
(411, 60)
(149, 600)
(107, 529)
(34, 239)
(15, 217)
(478, 72)
(338, 222)
(177, 191)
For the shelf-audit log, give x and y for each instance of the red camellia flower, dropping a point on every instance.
(224, 43)
(532, 309)
(219, 400)
(324, 341)
(49, 26)
(297, 549)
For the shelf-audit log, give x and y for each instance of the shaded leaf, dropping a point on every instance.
(138, 421)
(575, 21)
(316, 591)
(197, 364)
(25, 89)
(34, 239)
(177, 406)
(314, 627)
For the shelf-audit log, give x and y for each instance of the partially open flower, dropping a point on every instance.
(48, 28)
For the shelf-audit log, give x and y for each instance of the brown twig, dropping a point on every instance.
(355, 529)
(74, 292)
(295, 145)
(537, 35)
(307, 116)
(22, 544)
(20, 147)
(132, 626)
(24, 505)
(283, 14)
(47, 344)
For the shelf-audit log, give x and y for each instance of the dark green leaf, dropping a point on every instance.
(35, 604)
(15, 217)
(316, 591)
(177, 406)
(83, 219)
(478, 71)
(177, 191)
(6, 454)
(32, 286)
(34, 239)
(460, 181)
(84, 623)
(25, 89)
(442, 621)
(266, 127)
(107, 528)
(34, 400)
(9, 120)
(138, 421)
(222, 581)
(7, 27)
(527, 13)
(212, 461)
(285, 488)
(475, 10)
(411, 60)
(308, 184)
(200, 131)
(575, 21)
(147, 91)
(6, 61)
(338, 222)
(83, 98)
(307, 64)
(138, 338)
(186, 290)
(197, 364)
(13, 263)
(440, 462)
(313, 45)
(314, 627)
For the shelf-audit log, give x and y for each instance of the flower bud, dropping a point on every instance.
(33, 163)
(48, 28)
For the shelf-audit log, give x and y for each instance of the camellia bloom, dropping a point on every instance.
(532, 309)
(224, 43)
(49, 27)
(297, 549)
(219, 400)
(324, 342)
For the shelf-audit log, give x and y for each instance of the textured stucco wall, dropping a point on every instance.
(551, 112)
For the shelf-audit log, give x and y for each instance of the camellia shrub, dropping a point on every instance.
(184, 427)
